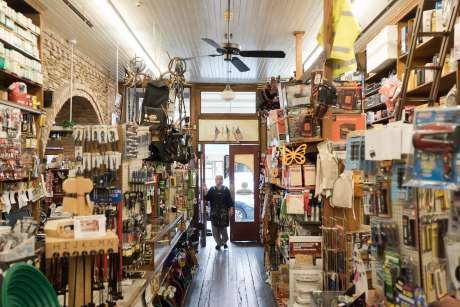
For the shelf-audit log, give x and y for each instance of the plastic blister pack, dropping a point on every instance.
(435, 162)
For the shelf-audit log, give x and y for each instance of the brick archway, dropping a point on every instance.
(59, 98)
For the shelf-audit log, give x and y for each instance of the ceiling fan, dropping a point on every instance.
(230, 50)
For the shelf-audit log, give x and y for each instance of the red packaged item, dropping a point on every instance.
(17, 92)
(337, 126)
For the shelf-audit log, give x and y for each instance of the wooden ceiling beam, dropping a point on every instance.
(299, 35)
(328, 36)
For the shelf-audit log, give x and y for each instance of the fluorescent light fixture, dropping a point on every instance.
(314, 55)
(120, 28)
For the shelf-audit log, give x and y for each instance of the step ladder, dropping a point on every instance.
(437, 67)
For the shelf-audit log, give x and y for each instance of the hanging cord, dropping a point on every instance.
(71, 82)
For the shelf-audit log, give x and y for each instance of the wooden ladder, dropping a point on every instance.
(436, 67)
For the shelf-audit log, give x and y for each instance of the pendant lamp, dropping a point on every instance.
(228, 94)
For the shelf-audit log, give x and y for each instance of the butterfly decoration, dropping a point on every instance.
(297, 155)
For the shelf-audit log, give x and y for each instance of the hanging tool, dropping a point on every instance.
(437, 67)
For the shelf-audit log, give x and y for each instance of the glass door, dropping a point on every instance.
(244, 185)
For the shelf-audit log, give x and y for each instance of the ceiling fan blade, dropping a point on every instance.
(239, 64)
(201, 56)
(212, 43)
(263, 54)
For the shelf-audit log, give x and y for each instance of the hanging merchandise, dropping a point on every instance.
(295, 203)
(297, 155)
(391, 269)
(336, 127)
(359, 269)
(297, 95)
(334, 255)
(268, 97)
(294, 175)
(436, 149)
(389, 91)
(96, 147)
(349, 96)
(154, 105)
(325, 97)
(346, 29)
(276, 127)
(309, 175)
(342, 193)
(18, 241)
(326, 170)
(355, 155)
(302, 126)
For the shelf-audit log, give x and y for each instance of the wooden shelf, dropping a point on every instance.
(20, 106)
(446, 83)
(309, 222)
(306, 140)
(375, 107)
(21, 51)
(61, 129)
(14, 180)
(10, 77)
(54, 148)
(382, 71)
(163, 253)
(372, 92)
(425, 50)
(382, 120)
(294, 188)
(168, 228)
(142, 182)
(336, 110)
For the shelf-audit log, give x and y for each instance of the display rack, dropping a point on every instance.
(20, 53)
(164, 243)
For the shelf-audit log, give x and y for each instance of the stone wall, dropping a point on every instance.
(91, 81)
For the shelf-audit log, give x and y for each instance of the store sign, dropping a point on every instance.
(228, 130)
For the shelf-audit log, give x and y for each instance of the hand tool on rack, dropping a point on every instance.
(92, 263)
(441, 139)
(83, 255)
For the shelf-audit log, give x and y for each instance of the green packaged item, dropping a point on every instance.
(192, 178)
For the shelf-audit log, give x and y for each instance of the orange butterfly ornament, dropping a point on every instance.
(297, 155)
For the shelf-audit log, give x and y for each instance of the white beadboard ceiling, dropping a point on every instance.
(177, 26)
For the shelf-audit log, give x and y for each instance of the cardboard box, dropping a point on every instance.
(305, 245)
(337, 126)
(382, 49)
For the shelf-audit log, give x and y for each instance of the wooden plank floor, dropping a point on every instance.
(230, 278)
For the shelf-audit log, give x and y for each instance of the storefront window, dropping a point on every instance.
(243, 103)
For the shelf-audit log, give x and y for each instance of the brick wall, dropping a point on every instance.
(91, 81)
(83, 115)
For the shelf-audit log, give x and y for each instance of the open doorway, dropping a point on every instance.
(238, 165)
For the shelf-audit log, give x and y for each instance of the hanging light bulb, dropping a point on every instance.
(228, 94)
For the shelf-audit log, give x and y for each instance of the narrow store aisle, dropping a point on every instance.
(230, 278)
